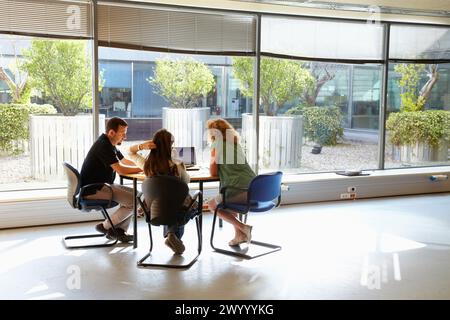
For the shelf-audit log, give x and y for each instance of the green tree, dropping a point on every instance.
(322, 73)
(182, 82)
(281, 81)
(61, 70)
(413, 99)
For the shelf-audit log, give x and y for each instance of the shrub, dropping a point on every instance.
(14, 124)
(322, 125)
(41, 109)
(408, 128)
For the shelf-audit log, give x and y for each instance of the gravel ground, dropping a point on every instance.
(15, 169)
(348, 155)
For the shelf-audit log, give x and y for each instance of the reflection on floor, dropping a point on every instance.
(391, 248)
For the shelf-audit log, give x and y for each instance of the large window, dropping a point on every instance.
(418, 115)
(321, 85)
(129, 91)
(178, 98)
(46, 110)
(322, 111)
(327, 122)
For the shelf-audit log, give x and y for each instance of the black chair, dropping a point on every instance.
(261, 193)
(163, 205)
(75, 199)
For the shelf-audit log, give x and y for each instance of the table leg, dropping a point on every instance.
(200, 208)
(135, 240)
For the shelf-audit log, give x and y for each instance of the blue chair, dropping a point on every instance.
(75, 198)
(163, 206)
(261, 193)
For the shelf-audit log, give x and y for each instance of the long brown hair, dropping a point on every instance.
(159, 161)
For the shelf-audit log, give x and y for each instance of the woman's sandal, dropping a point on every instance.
(237, 241)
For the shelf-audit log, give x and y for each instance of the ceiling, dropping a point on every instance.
(409, 4)
(440, 7)
(416, 11)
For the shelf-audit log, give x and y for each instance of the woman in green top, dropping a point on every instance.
(229, 163)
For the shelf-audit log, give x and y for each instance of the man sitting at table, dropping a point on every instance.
(100, 166)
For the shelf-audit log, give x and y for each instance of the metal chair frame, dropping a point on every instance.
(142, 262)
(83, 205)
(243, 217)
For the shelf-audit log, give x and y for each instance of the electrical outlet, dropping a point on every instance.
(351, 189)
(350, 195)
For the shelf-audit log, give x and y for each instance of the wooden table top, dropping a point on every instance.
(196, 176)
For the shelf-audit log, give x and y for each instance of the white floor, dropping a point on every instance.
(390, 248)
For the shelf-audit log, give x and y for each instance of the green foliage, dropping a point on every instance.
(14, 124)
(182, 82)
(61, 70)
(409, 81)
(281, 81)
(41, 109)
(25, 95)
(408, 128)
(322, 125)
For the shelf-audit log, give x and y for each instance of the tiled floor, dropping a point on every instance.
(390, 248)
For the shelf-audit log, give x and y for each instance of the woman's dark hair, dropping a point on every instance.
(159, 161)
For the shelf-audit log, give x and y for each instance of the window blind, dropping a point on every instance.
(319, 39)
(175, 31)
(419, 43)
(60, 18)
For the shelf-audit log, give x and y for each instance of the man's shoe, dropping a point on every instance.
(174, 243)
(120, 235)
(100, 228)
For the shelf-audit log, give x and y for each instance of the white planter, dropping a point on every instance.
(55, 138)
(280, 140)
(187, 126)
(421, 152)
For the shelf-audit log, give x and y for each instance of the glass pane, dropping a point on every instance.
(45, 110)
(418, 118)
(418, 42)
(321, 39)
(303, 108)
(366, 97)
(130, 77)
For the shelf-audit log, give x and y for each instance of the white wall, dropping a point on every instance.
(302, 189)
